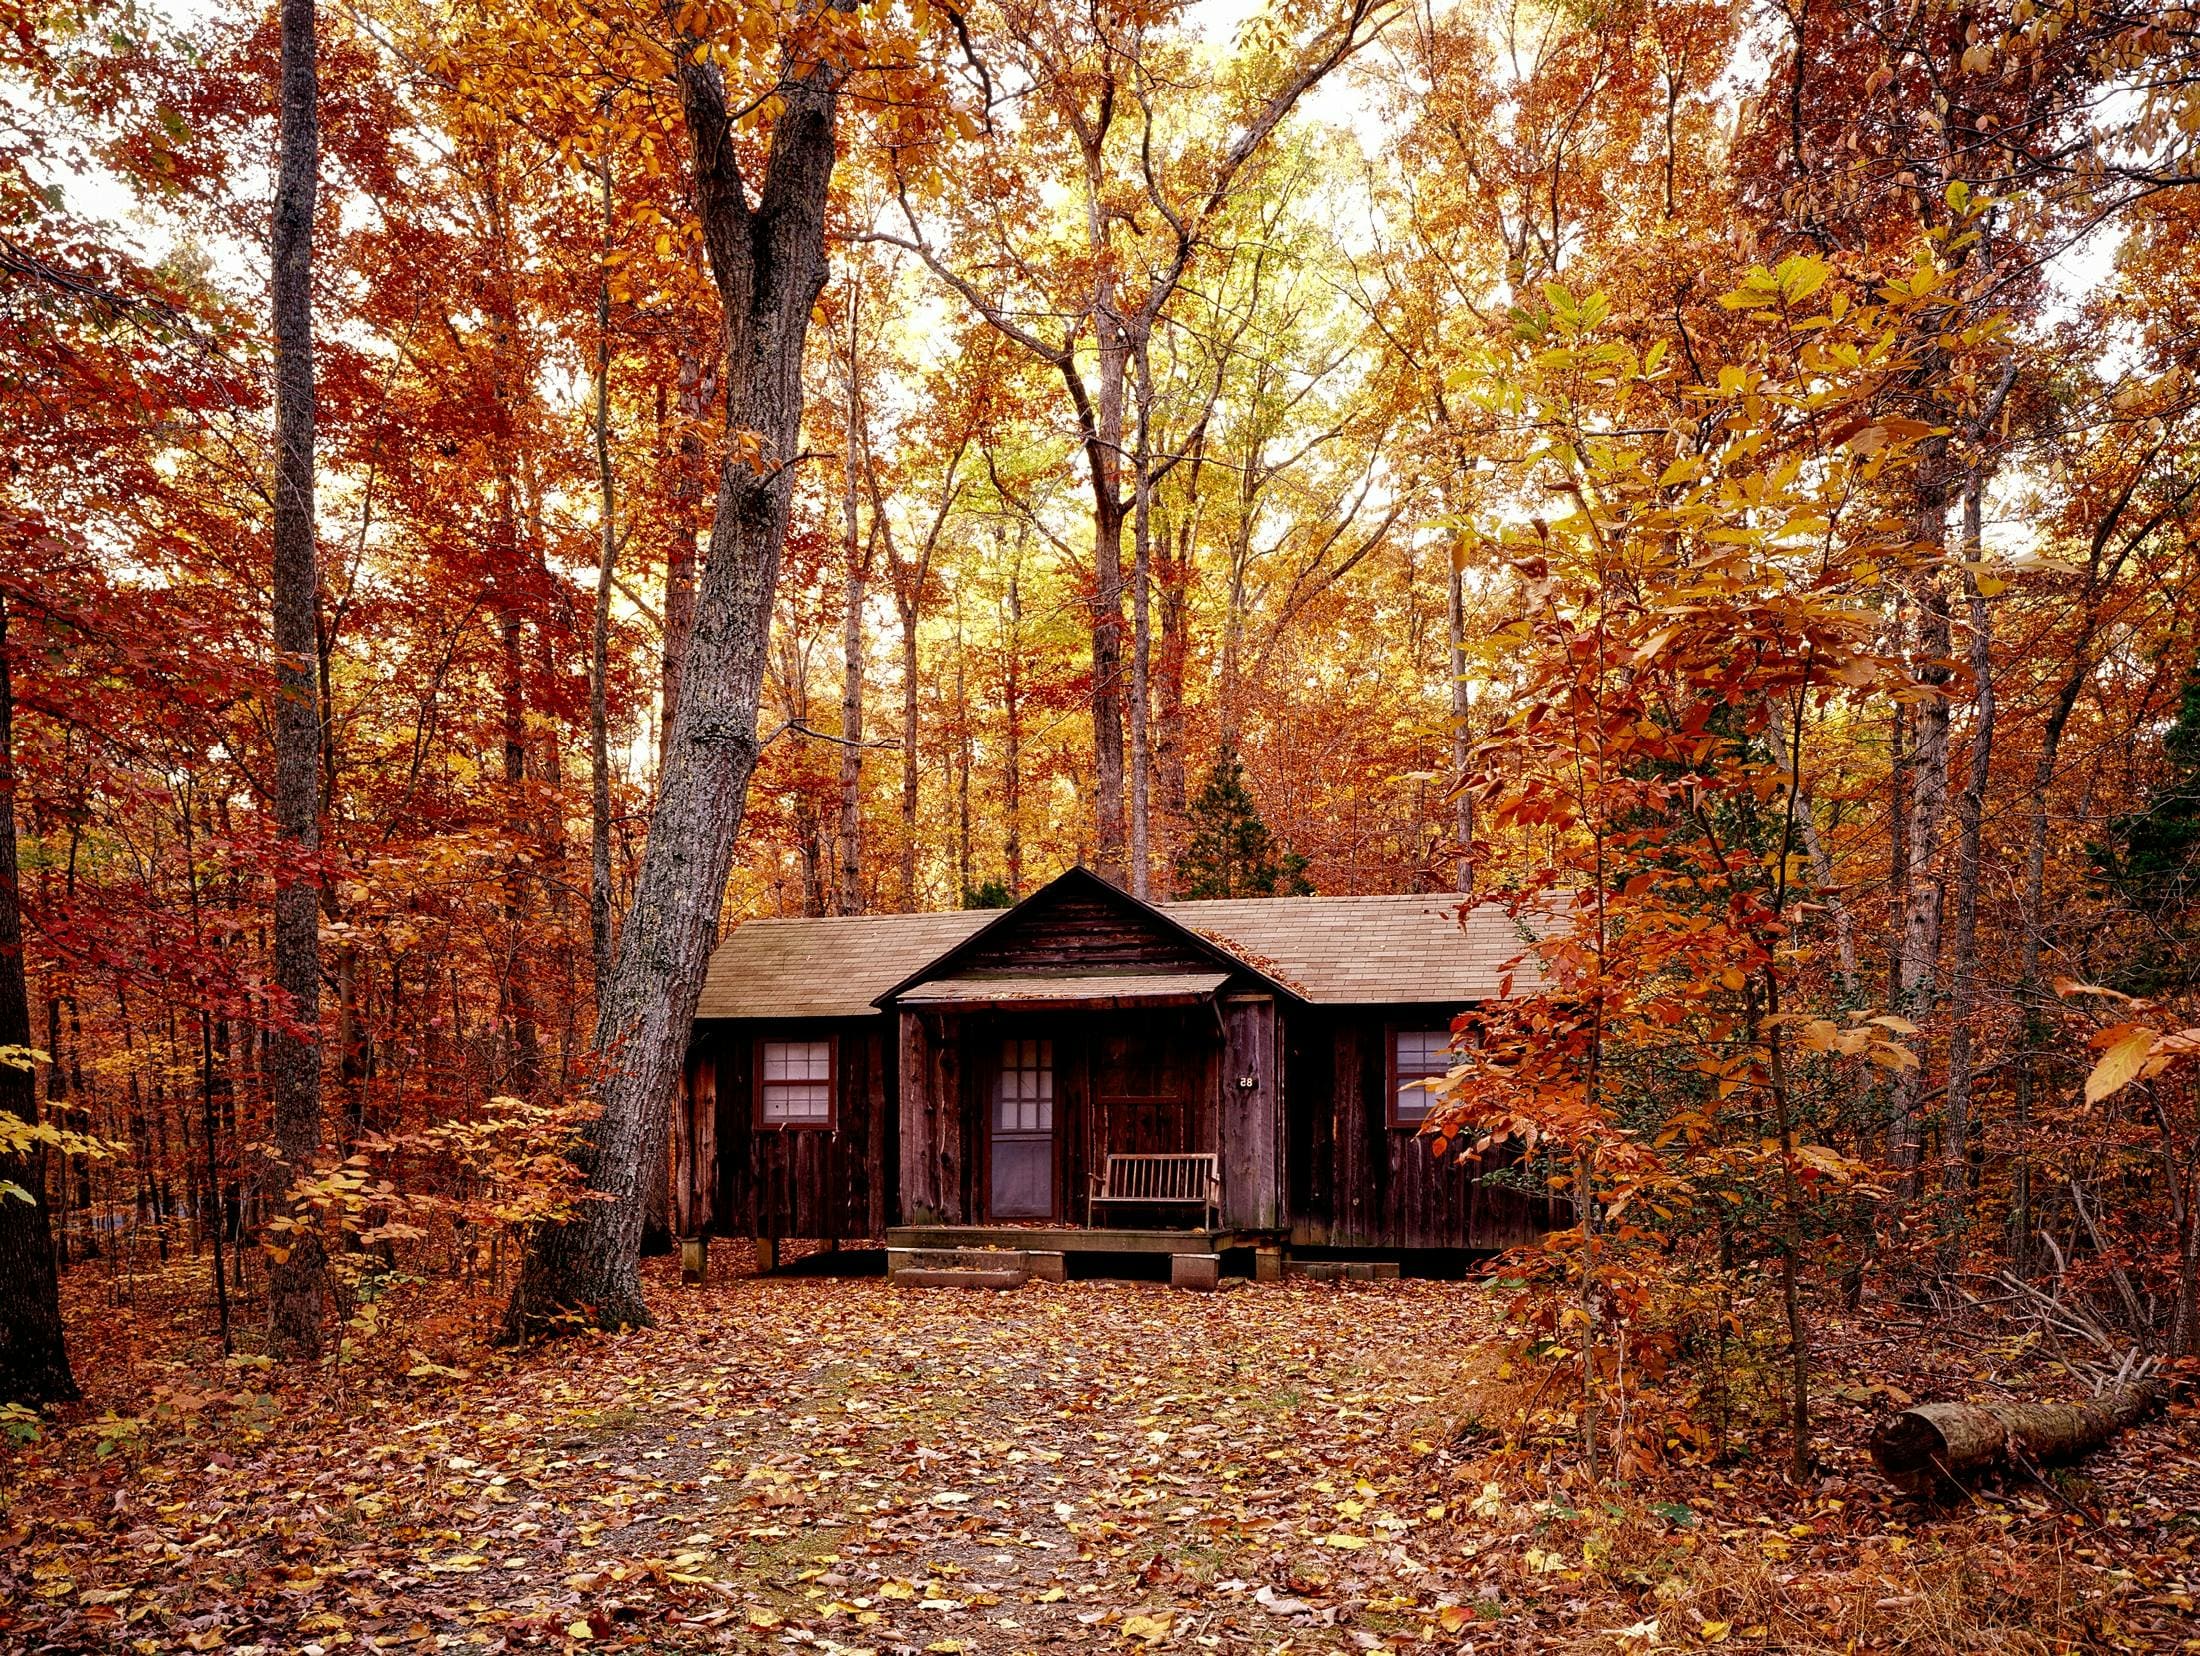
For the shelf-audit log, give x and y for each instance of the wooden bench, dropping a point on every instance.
(1187, 1179)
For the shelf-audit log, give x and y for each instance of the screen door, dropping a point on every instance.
(1023, 1131)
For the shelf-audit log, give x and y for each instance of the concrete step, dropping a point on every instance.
(957, 1259)
(959, 1267)
(919, 1276)
(1345, 1270)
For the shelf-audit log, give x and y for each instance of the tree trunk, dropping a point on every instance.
(523, 1053)
(1923, 1449)
(34, 1362)
(599, 645)
(769, 265)
(851, 655)
(1462, 736)
(696, 383)
(965, 874)
(1917, 961)
(294, 1052)
(1174, 579)
(1970, 815)
(1142, 633)
(1012, 714)
(1104, 451)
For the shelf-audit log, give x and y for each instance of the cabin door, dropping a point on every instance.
(1147, 1077)
(1022, 1123)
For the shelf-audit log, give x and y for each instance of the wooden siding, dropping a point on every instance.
(694, 1159)
(815, 1183)
(1354, 1181)
(1077, 931)
(1252, 1118)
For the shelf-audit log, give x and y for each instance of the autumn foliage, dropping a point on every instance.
(1717, 480)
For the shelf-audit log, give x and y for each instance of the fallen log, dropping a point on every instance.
(1935, 1444)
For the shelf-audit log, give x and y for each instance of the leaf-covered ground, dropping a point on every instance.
(828, 1463)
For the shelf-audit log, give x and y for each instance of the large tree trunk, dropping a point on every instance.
(769, 265)
(294, 1053)
(34, 1364)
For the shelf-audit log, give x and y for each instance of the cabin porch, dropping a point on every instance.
(1121, 1239)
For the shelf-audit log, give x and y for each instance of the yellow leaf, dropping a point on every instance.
(1714, 1632)
(1350, 1543)
(579, 1630)
(1152, 1629)
(2119, 1064)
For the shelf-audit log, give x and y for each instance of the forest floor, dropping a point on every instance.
(831, 1464)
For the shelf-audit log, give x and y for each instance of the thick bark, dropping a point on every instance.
(34, 1362)
(769, 265)
(294, 1053)
(599, 640)
(1926, 1448)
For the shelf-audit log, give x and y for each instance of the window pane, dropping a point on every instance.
(1423, 1052)
(798, 1060)
(1023, 1094)
(1414, 1102)
(798, 1101)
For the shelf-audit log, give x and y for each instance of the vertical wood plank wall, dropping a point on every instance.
(1355, 1181)
(832, 1186)
(1252, 1117)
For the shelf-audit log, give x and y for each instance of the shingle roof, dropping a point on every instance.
(825, 968)
(1369, 950)
(1333, 950)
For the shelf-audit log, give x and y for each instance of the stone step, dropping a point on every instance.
(921, 1276)
(957, 1259)
(1345, 1270)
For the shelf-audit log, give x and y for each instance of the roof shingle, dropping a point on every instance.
(1332, 950)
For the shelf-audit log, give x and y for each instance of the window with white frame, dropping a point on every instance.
(1419, 1061)
(794, 1083)
(1023, 1099)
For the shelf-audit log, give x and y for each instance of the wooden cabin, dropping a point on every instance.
(941, 1078)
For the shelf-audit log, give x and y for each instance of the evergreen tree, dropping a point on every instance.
(1230, 852)
(2151, 857)
(988, 894)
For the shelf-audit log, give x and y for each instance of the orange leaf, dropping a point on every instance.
(2119, 1064)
